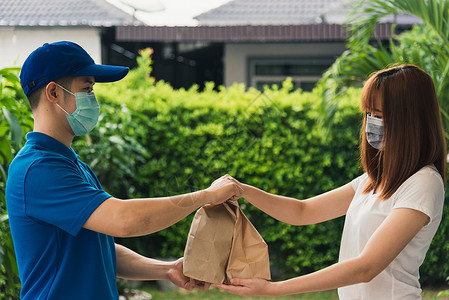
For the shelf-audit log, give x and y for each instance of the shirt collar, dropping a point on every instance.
(52, 144)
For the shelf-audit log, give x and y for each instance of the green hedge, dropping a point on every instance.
(155, 141)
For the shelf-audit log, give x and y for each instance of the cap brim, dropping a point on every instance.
(103, 73)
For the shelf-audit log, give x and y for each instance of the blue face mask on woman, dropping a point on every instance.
(374, 131)
(86, 114)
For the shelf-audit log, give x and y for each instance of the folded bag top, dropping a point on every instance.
(223, 244)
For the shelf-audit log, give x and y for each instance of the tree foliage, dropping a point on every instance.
(425, 45)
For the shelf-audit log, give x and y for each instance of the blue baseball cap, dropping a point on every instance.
(56, 60)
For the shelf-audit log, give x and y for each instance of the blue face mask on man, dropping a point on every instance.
(86, 114)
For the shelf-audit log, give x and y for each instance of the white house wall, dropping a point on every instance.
(236, 56)
(16, 43)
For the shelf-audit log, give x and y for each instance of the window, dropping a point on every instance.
(305, 72)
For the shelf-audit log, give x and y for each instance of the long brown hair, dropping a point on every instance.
(413, 132)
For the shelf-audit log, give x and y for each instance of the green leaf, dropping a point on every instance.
(4, 218)
(3, 173)
(5, 149)
(16, 129)
(6, 71)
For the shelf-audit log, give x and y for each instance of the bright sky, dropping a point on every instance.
(176, 12)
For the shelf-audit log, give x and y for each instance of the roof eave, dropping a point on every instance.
(244, 33)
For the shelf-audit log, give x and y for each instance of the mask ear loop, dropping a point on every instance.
(67, 92)
(62, 109)
(65, 89)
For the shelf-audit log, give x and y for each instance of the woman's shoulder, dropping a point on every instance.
(427, 181)
(427, 175)
(423, 191)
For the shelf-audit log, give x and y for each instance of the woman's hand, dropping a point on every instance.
(248, 287)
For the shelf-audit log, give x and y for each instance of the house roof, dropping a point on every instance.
(269, 12)
(257, 21)
(62, 13)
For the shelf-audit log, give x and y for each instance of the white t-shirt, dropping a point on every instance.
(423, 191)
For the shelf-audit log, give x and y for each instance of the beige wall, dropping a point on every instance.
(236, 55)
(16, 43)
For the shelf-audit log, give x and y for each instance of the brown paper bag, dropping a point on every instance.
(223, 244)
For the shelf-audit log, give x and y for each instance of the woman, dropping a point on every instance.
(392, 211)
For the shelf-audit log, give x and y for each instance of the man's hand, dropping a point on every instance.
(175, 275)
(224, 188)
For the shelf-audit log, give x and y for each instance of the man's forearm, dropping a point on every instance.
(146, 216)
(137, 217)
(131, 265)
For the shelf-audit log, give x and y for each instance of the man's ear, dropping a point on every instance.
(52, 93)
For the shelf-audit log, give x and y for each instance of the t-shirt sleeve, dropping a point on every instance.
(356, 182)
(57, 193)
(424, 192)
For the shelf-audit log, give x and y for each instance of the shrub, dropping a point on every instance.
(272, 140)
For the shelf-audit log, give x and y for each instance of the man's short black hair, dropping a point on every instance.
(35, 96)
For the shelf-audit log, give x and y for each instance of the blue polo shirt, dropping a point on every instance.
(50, 194)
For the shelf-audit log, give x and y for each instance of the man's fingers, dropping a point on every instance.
(204, 286)
(239, 189)
(190, 284)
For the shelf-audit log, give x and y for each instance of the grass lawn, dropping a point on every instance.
(215, 294)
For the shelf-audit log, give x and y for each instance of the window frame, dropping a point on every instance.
(252, 62)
